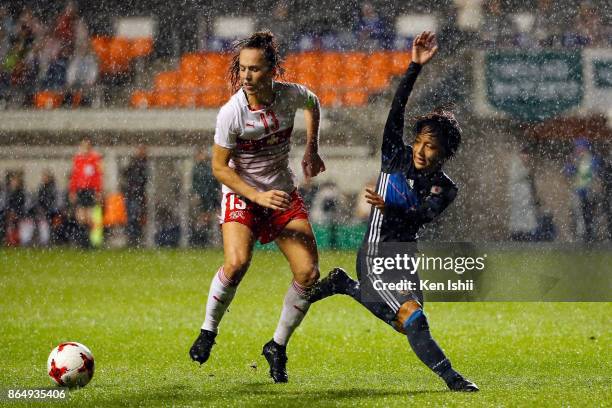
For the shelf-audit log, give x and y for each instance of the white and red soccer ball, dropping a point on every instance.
(70, 364)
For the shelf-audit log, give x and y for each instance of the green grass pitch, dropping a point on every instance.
(140, 311)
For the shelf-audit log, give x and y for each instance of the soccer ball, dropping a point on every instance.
(70, 364)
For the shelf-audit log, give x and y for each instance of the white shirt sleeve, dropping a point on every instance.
(227, 128)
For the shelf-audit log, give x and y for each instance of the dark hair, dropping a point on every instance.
(442, 123)
(261, 40)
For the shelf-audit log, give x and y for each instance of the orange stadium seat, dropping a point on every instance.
(141, 99)
(331, 70)
(291, 66)
(48, 100)
(308, 69)
(141, 47)
(119, 55)
(192, 65)
(330, 97)
(165, 99)
(401, 60)
(216, 66)
(167, 80)
(354, 70)
(187, 98)
(101, 46)
(212, 97)
(379, 70)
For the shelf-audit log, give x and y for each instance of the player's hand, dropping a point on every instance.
(312, 164)
(372, 197)
(72, 197)
(274, 199)
(424, 47)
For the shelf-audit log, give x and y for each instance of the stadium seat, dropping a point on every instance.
(292, 65)
(400, 61)
(192, 65)
(101, 46)
(141, 99)
(379, 70)
(141, 47)
(165, 98)
(48, 100)
(330, 97)
(331, 71)
(167, 80)
(119, 55)
(215, 68)
(353, 68)
(308, 69)
(187, 98)
(212, 97)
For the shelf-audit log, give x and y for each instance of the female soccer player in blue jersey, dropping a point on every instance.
(411, 191)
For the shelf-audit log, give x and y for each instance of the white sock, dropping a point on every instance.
(295, 308)
(220, 295)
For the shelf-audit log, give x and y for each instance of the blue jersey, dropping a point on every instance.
(412, 198)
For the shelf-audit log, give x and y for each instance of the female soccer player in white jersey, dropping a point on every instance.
(260, 201)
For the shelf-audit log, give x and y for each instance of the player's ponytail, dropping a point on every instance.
(261, 40)
(443, 124)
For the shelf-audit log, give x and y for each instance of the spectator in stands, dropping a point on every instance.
(497, 28)
(582, 171)
(283, 26)
(20, 67)
(547, 29)
(588, 29)
(15, 207)
(6, 30)
(206, 190)
(81, 76)
(70, 33)
(524, 203)
(606, 176)
(85, 188)
(46, 203)
(371, 30)
(168, 229)
(136, 177)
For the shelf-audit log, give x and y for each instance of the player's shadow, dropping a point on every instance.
(267, 388)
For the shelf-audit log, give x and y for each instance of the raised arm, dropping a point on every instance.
(424, 47)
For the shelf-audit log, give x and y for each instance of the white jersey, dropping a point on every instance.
(260, 139)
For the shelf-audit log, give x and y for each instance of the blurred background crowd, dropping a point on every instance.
(524, 179)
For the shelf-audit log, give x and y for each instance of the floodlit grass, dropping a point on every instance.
(140, 311)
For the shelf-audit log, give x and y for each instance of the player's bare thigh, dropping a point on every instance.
(238, 241)
(298, 244)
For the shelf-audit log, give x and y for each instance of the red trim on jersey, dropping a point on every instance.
(271, 140)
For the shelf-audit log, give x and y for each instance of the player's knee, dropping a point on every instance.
(235, 267)
(308, 276)
(409, 317)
